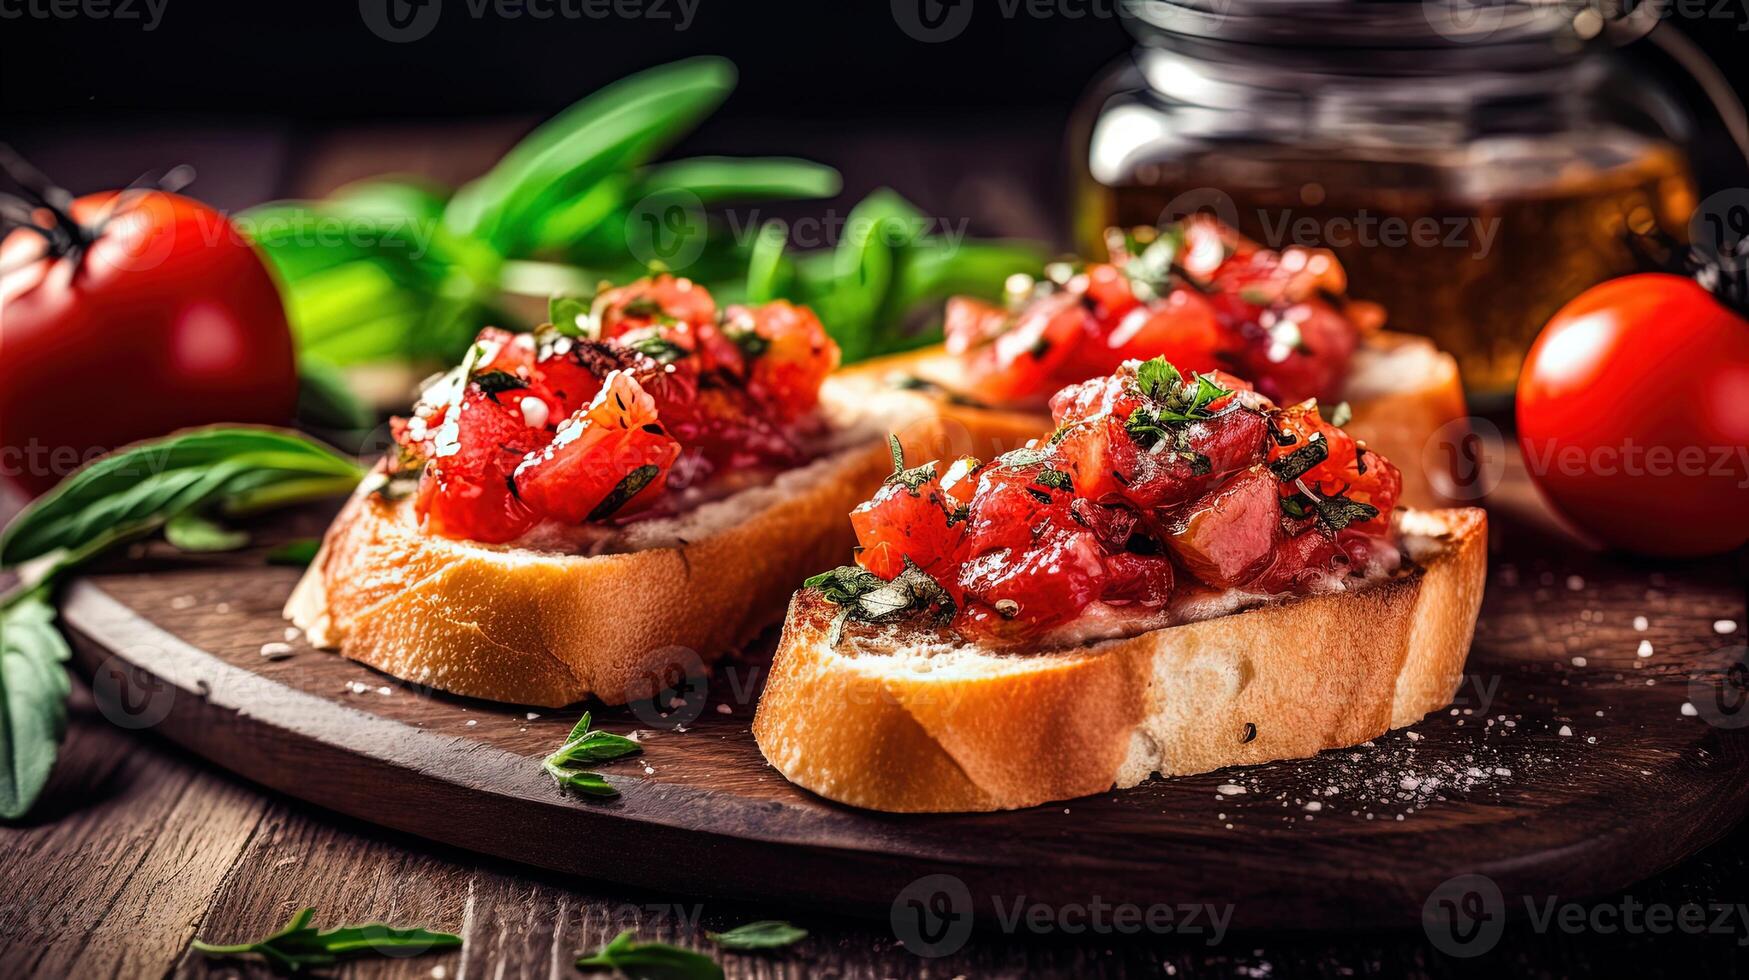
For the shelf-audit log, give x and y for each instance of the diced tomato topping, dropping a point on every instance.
(1154, 481)
(554, 426)
(607, 460)
(1215, 300)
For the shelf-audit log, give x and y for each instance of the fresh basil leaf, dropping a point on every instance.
(713, 179)
(298, 946)
(911, 479)
(567, 315)
(191, 532)
(765, 934)
(1157, 378)
(627, 488)
(587, 783)
(1054, 479)
(621, 125)
(767, 275)
(651, 961)
(584, 745)
(1296, 464)
(842, 585)
(33, 693)
(496, 383)
(138, 489)
(299, 553)
(659, 349)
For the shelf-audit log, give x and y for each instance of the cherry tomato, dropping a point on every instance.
(165, 319)
(1633, 415)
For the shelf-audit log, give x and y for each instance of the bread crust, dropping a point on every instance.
(1403, 391)
(874, 723)
(549, 629)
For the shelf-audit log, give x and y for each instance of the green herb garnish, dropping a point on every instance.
(751, 343)
(1054, 479)
(584, 746)
(622, 493)
(300, 946)
(868, 598)
(1297, 463)
(195, 534)
(495, 383)
(766, 934)
(911, 479)
(659, 349)
(1338, 511)
(655, 961)
(567, 315)
(33, 659)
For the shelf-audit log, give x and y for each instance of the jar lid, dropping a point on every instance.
(1327, 24)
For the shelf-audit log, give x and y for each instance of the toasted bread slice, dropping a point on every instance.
(545, 627)
(884, 722)
(1402, 390)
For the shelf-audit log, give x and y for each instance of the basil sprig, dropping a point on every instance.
(172, 484)
(635, 959)
(300, 946)
(868, 598)
(584, 746)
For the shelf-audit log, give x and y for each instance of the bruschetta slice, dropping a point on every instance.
(598, 507)
(1205, 298)
(1182, 576)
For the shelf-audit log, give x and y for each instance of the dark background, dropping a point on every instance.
(99, 101)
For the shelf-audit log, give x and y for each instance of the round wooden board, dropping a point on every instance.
(1566, 767)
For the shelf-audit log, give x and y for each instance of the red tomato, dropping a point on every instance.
(1633, 414)
(168, 319)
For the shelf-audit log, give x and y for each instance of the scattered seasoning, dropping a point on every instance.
(1645, 649)
(1724, 626)
(532, 715)
(1640, 623)
(724, 709)
(385, 690)
(276, 651)
(182, 602)
(1566, 731)
(1575, 583)
(1688, 709)
(472, 722)
(1579, 661)
(1250, 732)
(1229, 789)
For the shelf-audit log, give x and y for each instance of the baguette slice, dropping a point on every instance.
(1402, 390)
(550, 628)
(884, 722)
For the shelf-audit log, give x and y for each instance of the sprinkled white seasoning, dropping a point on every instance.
(1724, 626)
(1575, 583)
(182, 602)
(723, 709)
(1688, 709)
(534, 412)
(1579, 661)
(1567, 731)
(1645, 649)
(532, 715)
(385, 690)
(276, 651)
(1229, 789)
(472, 722)
(292, 633)
(1640, 623)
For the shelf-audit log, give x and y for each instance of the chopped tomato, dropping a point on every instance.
(1020, 361)
(464, 491)
(659, 301)
(606, 460)
(918, 515)
(1229, 534)
(1043, 583)
(790, 351)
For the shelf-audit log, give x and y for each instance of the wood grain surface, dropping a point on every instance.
(1567, 766)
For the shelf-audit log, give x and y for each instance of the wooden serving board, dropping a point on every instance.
(1566, 767)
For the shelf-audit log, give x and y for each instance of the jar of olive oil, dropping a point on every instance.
(1475, 165)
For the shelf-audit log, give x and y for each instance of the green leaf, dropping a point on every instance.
(765, 934)
(713, 179)
(139, 488)
(767, 274)
(651, 961)
(298, 946)
(324, 399)
(194, 533)
(1158, 378)
(625, 490)
(567, 315)
(1295, 464)
(583, 746)
(298, 553)
(622, 125)
(33, 699)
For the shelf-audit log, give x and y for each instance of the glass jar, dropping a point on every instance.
(1473, 167)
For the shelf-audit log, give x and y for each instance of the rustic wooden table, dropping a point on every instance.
(137, 847)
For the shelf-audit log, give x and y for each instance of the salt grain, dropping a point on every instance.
(1579, 661)
(182, 602)
(292, 633)
(1640, 623)
(276, 651)
(723, 709)
(472, 722)
(1575, 583)
(1688, 709)
(1314, 806)
(1645, 649)
(532, 715)
(1566, 730)
(1229, 789)
(1724, 626)
(385, 690)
